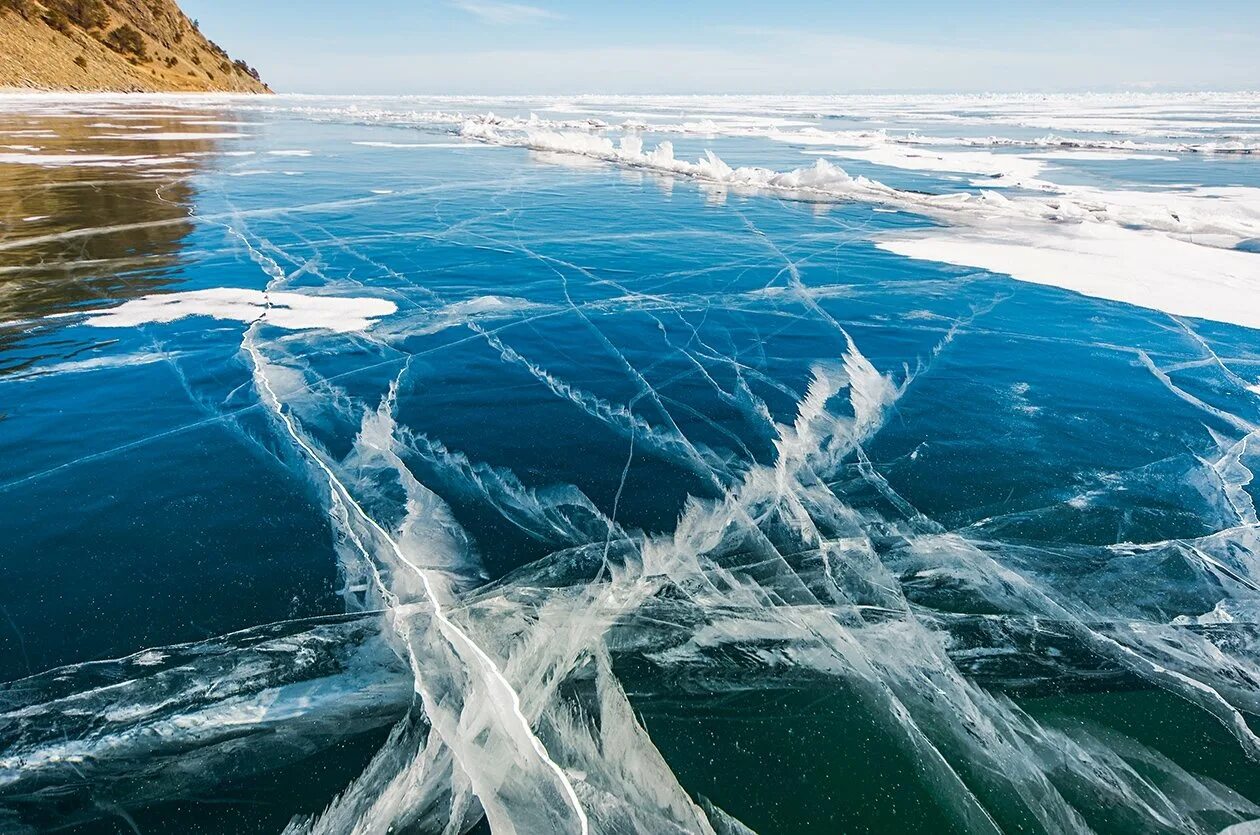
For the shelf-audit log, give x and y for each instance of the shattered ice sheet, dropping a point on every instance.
(686, 465)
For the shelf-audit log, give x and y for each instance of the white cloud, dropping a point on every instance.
(504, 13)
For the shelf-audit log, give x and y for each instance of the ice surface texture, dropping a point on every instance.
(587, 457)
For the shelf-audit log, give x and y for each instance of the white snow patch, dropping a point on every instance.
(1104, 261)
(149, 658)
(469, 145)
(291, 311)
(1092, 156)
(487, 305)
(1010, 169)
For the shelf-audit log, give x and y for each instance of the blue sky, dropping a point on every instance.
(734, 46)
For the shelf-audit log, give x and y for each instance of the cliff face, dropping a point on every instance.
(115, 45)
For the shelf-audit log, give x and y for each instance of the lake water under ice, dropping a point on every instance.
(858, 464)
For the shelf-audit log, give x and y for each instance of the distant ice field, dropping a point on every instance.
(637, 464)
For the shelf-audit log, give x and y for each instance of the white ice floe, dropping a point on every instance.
(487, 306)
(291, 311)
(1214, 215)
(822, 179)
(1099, 156)
(1167, 124)
(1005, 169)
(469, 145)
(1105, 261)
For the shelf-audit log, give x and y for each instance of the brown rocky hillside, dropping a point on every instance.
(117, 45)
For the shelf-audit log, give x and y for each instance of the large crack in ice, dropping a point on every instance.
(779, 567)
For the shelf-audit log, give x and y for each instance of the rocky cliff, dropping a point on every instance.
(115, 45)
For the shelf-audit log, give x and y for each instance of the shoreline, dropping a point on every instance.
(31, 92)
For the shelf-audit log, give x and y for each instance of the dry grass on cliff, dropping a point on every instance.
(123, 45)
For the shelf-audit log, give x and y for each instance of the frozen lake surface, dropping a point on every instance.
(654, 464)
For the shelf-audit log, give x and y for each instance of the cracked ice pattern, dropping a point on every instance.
(677, 467)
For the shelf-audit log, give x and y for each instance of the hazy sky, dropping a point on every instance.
(734, 46)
